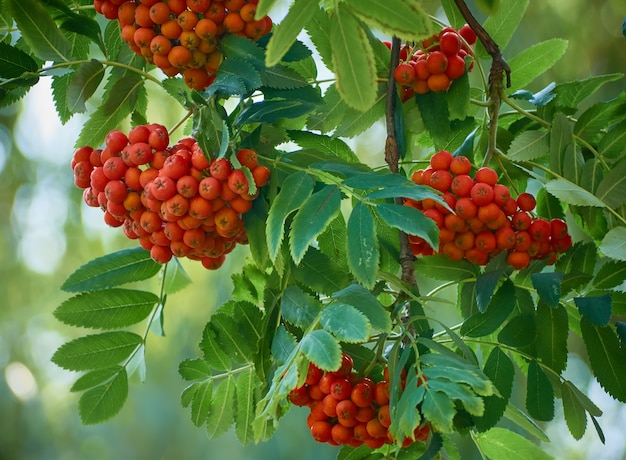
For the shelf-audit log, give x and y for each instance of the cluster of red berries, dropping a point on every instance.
(346, 410)
(173, 200)
(440, 60)
(182, 36)
(483, 219)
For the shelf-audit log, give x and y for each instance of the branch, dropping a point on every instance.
(392, 157)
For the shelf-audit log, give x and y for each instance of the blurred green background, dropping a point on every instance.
(46, 233)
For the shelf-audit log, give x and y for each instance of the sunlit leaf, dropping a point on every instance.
(100, 403)
(502, 443)
(613, 244)
(322, 349)
(97, 351)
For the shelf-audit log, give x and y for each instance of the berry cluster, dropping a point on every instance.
(172, 199)
(348, 410)
(182, 36)
(440, 60)
(483, 219)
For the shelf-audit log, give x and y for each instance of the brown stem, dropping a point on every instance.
(498, 67)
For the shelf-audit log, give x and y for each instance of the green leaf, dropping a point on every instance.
(270, 111)
(95, 378)
(613, 244)
(221, 411)
(121, 267)
(570, 193)
(406, 418)
(312, 219)
(502, 443)
(346, 323)
(332, 241)
(83, 84)
(529, 145)
(59, 95)
(434, 111)
(551, 339)
(14, 63)
(548, 206)
(246, 396)
(610, 275)
(595, 309)
(353, 122)
(612, 189)
(606, 357)
(440, 267)
(548, 286)
(409, 190)
(320, 272)
(371, 180)
(39, 30)
(322, 349)
(282, 77)
(612, 144)
(176, 278)
(362, 249)
(592, 123)
(298, 307)
(454, 368)
(106, 309)
(233, 337)
(499, 308)
(201, 402)
(574, 412)
(570, 94)
(296, 189)
(211, 130)
(103, 402)
(539, 393)
(285, 33)
(212, 350)
(500, 371)
(485, 287)
(534, 61)
(235, 47)
(406, 19)
(355, 72)
(194, 369)
(409, 220)
(519, 331)
(501, 25)
(323, 143)
(364, 301)
(96, 351)
(235, 76)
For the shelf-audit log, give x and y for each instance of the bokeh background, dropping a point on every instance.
(46, 233)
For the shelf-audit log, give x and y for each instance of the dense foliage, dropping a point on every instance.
(335, 240)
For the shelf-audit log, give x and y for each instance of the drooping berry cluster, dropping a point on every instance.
(440, 60)
(348, 410)
(483, 219)
(173, 200)
(182, 36)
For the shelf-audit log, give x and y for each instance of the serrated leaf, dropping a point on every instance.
(405, 19)
(320, 272)
(593, 122)
(176, 278)
(529, 145)
(434, 112)
(612, 188)
(519, 331)
(194, 369)
(314, 215)
(121, 267)
(107, 309)
(273, 110)
(409, 220)
(14, 63)
(59, 95)
(299, 308)
(548, 286)
(246, 392)
(297, 187)
(210, 129)
(503, 23)
(613, 143)
(573, 194)
(362, 249)
(283, 344)
(441, 268)
(551, 338)
(346, 323)
(486, 284)
(500, 307)
(409, 190)
(534, 61)
(575, 416)
(94, 378)
(502, 443)
(439, 410)
(548, 206)
(500, 371)
(103, 402)
(455, 368)
(221, 411)
(613, 244)
(83, 84)
(371, 180)
(96, 351)
(364, 301)
(234, 46)
(285, 33)
(610, 275)
(539, 393)
(282, 77)
(235, 76)
(332, 241)
(212, 350)
(595, 309)
(201, 402)
(570, 94)
(39, 30)
(353, 122)
(325, 144)
(406, 418)
(322, 349)
(233, 337)
(355, 72)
